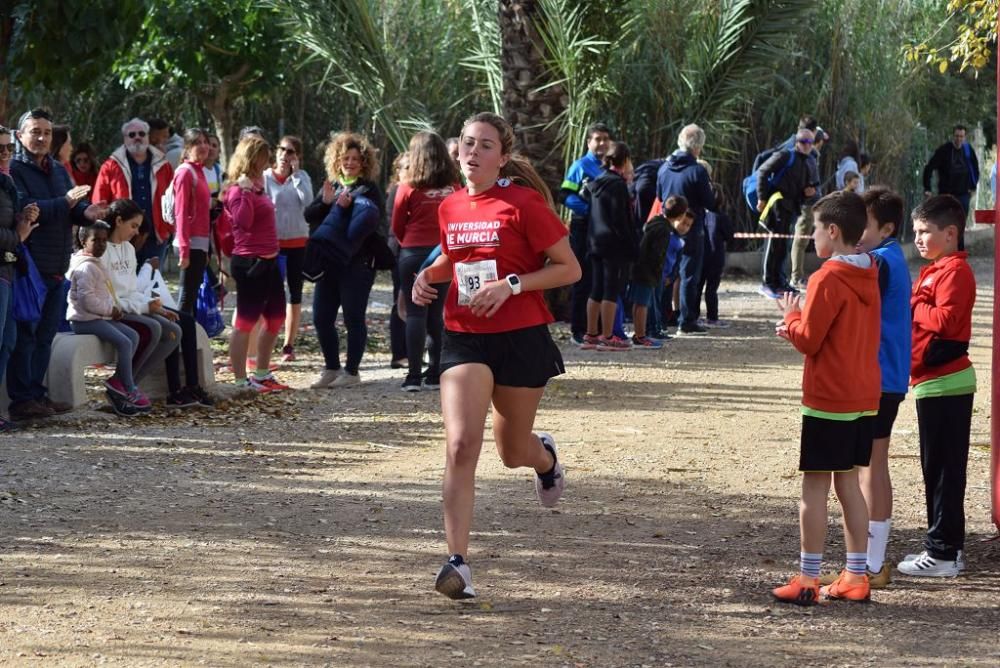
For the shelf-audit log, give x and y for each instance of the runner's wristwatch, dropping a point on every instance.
(514, 282)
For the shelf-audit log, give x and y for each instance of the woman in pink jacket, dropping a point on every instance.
(260, 290)
(192, 202)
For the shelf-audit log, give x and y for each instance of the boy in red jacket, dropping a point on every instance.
(943, 381)
(838, 332)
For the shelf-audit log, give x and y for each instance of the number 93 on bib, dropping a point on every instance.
(472, 276)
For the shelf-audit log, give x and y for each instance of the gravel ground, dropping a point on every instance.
(306, 529)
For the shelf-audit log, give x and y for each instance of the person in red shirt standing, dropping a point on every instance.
(502, 245)
(431, 177)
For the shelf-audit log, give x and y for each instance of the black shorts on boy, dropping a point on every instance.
(835, 445)
(888, 409)
(520, 358)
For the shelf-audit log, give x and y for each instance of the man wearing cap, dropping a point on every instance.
(44, 181)
(141, 173)
(781, 203)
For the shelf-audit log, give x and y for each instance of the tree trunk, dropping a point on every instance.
(524, 72)
(219, 102)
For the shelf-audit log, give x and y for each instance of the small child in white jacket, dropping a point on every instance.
(93, 309)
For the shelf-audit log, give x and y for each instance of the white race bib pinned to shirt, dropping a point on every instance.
(472, 276)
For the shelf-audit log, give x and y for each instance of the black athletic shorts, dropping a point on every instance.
(521, 358)
(888, 408)
(835, 445)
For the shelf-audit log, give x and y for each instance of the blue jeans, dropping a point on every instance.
(8, 326)
(692, 258)
(121, 336)
(30, 360)
(349, 288)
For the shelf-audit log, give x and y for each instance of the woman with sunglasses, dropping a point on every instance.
(290, 190)
(83, 165)
(6, 149)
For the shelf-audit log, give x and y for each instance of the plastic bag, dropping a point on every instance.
(29, 288)
(207, 310)
(151, 284)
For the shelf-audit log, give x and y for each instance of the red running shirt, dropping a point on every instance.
(511, 225)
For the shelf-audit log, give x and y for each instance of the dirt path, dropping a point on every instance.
(306, 529)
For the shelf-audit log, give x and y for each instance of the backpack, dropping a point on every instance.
(168, 199)
(750, 182)
(222, 234)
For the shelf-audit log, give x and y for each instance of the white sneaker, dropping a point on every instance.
(326, 379)
(454, 580)
(924, 565)
(550, 489)
(959, 561)
(346, 379)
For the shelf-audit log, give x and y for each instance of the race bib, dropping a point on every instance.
(472, 276)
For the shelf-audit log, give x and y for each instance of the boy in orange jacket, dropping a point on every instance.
(943, 381)
(838, 332)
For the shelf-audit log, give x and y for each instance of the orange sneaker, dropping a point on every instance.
(848, 587)
(800, 590)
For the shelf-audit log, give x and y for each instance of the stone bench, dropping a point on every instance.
(73, 353)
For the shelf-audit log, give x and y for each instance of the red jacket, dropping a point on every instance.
(942, 303)
(838, 332)
(114, 181)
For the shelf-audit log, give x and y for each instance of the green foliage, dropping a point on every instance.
(975, 31)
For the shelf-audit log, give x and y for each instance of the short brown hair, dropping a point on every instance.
(340, 144)
(885, 206)
(846, 210)
(675, 206)
(941, 211)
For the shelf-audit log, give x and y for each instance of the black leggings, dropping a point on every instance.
(188, 353)
(295, 259)
(608, 278)
(191, 279)
(421, 321)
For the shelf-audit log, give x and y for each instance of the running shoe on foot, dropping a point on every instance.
(960, 561)
(181, 399)
(924, 565)
(769, 292)
(549, 487)
(288, 354)
(432, 381)
(613, 344)
(800, 590)
(326, 379)
(589, 342)
(577, 338)
(454, 580)
(347, 379)
(411, 384)
(203, 397)
(121, 405)
(691, 330)
(716, 324)
(140, 400)
(645, 343)
(115, 385)
(848, 587)
(269, 382)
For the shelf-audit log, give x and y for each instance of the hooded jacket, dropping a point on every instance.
(114, 181)
(51, 243)
(942, 302)
(682, 175)
(90, 297)
(795, 179)
(119, 264)
(653, 248)
(838, 332)
(611, 232)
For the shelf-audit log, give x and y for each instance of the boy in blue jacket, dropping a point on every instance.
(885, 220)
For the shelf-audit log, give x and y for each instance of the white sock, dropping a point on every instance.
(878, 539)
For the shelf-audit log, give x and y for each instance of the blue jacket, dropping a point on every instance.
(895, 286)
(587, 168)
(51, 243)
(343, 233)
(682, 175)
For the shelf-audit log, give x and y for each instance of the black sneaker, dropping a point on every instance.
(432, 381)
(412, 384)
(181, 399)
(692, 330)
(200, 395)
(122, 405)
(454, 580)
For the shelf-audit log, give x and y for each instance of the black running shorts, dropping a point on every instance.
(888, 408)
(835, 445)
(520, 358)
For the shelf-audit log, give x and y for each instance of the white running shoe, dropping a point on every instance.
(550, 488)
(347, 379)
(924, 565)
(454, 580)
(960, 561)
(326, 379)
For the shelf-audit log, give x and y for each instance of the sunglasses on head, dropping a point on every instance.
(136, 133)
